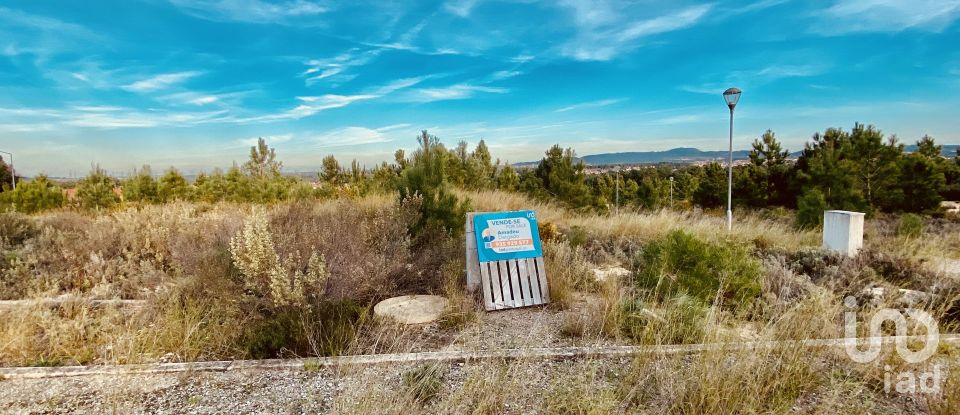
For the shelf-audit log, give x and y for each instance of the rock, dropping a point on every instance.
(602, 274)
(906, 298)
(412, 309)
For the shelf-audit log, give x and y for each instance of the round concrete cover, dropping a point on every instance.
(412, 309)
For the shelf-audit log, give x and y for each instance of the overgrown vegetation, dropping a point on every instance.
(860, 169)
(714, 273)
(253, 264)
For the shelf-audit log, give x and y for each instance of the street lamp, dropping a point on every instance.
(731, 95)
(618, 190)
(671, 192)
(13, 173)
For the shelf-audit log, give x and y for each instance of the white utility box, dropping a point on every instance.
(843, 231)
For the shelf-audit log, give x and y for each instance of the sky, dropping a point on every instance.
(192, 83)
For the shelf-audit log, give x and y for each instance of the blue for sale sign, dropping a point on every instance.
(507, 235)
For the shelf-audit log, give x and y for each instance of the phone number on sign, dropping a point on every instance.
(515, 242)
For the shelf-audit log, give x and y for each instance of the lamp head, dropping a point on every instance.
(732, 95)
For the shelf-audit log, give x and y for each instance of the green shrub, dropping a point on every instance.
(678, 320)
(577, 236)
(34, 195)
(96, 190)
(681, 263)
(16, 228)
(810, 209)
(911, 225)
(324, 329)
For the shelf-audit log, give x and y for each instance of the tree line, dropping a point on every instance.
(859, 169)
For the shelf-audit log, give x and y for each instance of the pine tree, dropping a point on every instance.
(426, 177)
(712, 189)
(34, 195)
(96, 190)
(141, 187)
(263, 161)
(562, 178)
(173, 186)
(331, 171)
(5, 176)
(764, 182)
(824, 166)
(507, 179)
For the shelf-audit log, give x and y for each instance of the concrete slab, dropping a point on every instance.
(412, 309)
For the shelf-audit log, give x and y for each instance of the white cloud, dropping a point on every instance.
(138, 119)
(505, 74)
(310, 105)
(250, 11)
(270, 139)
(313, 104)
(97, 108)
(25, 127)
(847, 16)
(105, 117)
(757, 77)
(354, 136)
(460, 8)
(336, 69)
(160, 81)
(43, 36)
(592, 104)
(603, 34)
(204, 100)
(457, 91)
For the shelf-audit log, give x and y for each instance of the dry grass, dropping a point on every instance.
(177, 257)
(642, 226)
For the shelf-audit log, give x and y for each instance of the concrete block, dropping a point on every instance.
(843, 231)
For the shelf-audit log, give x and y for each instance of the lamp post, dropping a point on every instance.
(671, 192)
(618, 191)
(731, 96)
(13, 173)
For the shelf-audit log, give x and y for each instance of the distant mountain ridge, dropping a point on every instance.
(692, 155)
(675, 155)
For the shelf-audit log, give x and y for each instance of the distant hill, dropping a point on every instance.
(949, 150)
(676, 155)
(693, 155)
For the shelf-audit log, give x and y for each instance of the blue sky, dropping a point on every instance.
(190, 83)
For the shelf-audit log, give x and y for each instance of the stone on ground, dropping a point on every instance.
(412, 309)
(602, 274)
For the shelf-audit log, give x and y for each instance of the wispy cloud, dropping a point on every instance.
(106, 117)
(270, 139)
(757, 77)
(160, 81)
(756, 6)
(457, 91)
(498, 75)
(42, 36)
(460, 8)
(335, 70)
(139, 119)
(356, 136)
(604, 35)
(311, 105)
(848, 16)
(592, 104)
(251, 11)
